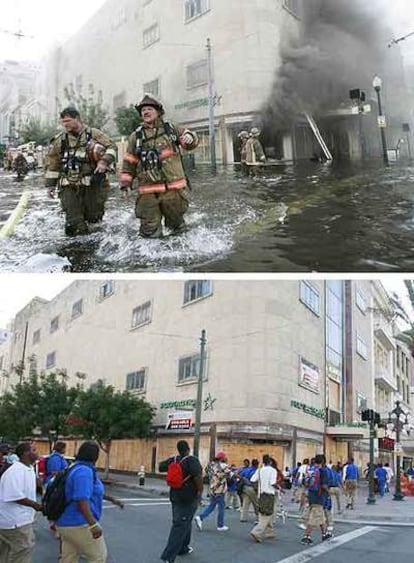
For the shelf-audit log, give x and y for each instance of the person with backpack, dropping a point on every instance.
(56, 461)
(18, 505)
(153, 161)
(185, 479)
(220, 473)
(77, 163)
(317, 486)
(266, 478)
(74, 500)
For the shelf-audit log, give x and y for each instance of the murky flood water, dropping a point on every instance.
(308, 217)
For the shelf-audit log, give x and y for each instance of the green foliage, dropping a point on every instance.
(127, 119)
(91, 107)
(406, 336)
(107, 414)
(38, 402)
(34, 130)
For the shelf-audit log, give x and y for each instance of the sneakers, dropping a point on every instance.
(189, 550)
(326, 536)
(302, 526)
(222, 528)
(256, 538)
(306, 540)
(330, 528)
(199, 522)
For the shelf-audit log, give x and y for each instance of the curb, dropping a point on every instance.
(143, 489)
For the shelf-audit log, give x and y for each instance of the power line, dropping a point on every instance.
(403, 38)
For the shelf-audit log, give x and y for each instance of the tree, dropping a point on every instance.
(127, 119)
(34, 130)
(104, 414)
(406, 336)
(90, 107)
(40, 403)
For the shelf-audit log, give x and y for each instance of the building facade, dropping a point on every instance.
(289, 364)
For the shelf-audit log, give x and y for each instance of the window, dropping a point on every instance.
(51, 360)
(135, 381)
(361, 347)
(188, 368)
(292, 6)
(152, 87)
(77, 308)
(361, 402)
(106, 289)
(36, 336)
(197, 74)
(361, 301)
(195, 8)
(141, 315)
(309, 296)
(54, 324)
(198, 289)
(151, 35)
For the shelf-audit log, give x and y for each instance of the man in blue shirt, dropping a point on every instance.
(351, 476)
(381, 475)
(56, 461)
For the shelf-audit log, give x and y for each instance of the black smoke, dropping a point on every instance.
(340, 46)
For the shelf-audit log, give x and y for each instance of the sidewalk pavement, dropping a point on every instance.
(385, 512)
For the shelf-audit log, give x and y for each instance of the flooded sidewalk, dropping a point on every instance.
(306, 217)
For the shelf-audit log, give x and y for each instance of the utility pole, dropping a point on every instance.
(377, 83)
(372, 418)
(211, 129)
(197, 422)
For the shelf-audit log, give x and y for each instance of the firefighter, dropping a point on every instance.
(77, 164)
(255, 155)
(153, 163)
(243, 137)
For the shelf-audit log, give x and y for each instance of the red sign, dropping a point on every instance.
(386, 444)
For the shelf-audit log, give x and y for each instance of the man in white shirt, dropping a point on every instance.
(266, 478)
(17, 507)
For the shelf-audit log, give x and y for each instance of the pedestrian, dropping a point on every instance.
(336, 487)
(77, 163)
(78, 526)
(255, 155)
(18, 505)
(4, 452)
(317, 488)
(287, 478)
(153, 161)
(249, 490)
(220, 472)
(243, 138)
(56, 461)
(266, 477)
(381, 475)
(350, 477)
(295, 483)
(232, 498)
(390, 476)
(20, 165)
(184, 501)
(240, 482)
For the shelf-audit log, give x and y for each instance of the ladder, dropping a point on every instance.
(318, 136)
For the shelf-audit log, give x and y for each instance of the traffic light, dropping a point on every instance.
(365, 415)
(355, 94)
(377, 418)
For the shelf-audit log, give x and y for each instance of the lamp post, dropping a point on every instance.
(211, 127)
(197, 422)
(377, 84)
(373, 418)
(398, 425)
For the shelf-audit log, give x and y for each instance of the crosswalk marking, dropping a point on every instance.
(323, 548)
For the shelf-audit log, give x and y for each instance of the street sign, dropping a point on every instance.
(398, 448)
(382, 122)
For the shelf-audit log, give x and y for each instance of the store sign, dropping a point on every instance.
(179, 420)
(191, 403)
(386, 444)
(382, 122)
(309, 375)
(313, 411)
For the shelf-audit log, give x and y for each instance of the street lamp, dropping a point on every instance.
(397, 426)
(377, 84)
(374, 419)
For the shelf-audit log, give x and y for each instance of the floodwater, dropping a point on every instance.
(299, 218)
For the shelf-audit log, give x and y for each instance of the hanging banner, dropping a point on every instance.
(309, 375)
(179, 420)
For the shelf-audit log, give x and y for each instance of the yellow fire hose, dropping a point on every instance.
(9, 226)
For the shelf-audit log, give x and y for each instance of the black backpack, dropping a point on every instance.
(54, 500)
(4, 467)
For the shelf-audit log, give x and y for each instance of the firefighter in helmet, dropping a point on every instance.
(153, 164)
(77, 164)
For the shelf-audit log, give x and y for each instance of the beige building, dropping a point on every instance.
(284, 364)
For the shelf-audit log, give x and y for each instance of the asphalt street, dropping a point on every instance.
(138, 533)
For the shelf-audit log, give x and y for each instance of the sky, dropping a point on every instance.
(17, 290)
(50, 21)
(44, 22)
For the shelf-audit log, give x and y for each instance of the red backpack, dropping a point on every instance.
(42, 467)
(175, 478)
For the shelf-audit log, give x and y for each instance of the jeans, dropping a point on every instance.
(215, 500)
(180, 533)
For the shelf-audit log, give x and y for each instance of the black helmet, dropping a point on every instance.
(150, 100)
